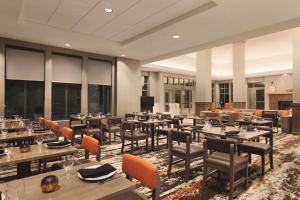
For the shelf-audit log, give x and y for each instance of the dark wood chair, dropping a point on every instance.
(183, 149)
(129, 116)
(222, 157)
(271, 115)
(94, 128)
(260, 149)
(113, 126)
(131, 134)
(165, 130)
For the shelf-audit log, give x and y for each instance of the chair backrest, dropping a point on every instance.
(271, 115)
(47, 123)
(67, 133)
(219, 145)
(228, 106)
(112, 121)
(128, 126)
(235, 116)
(41, 121)
(166, 116)
(142, 170)
(53, 126)
(91, 145)
(129, 116)
(94, 123)
(269, 135)
(180, 136)
(258, 113)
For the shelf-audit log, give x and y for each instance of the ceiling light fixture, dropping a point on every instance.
(67, 44)
(176, 36)
(108, 10)
(123, 55)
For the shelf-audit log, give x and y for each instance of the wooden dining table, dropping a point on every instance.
(244, 135)
(255, 122)
(74, 188)
(23, 160)
(25, 135)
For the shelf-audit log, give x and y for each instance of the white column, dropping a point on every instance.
(217, 93)
(239, 79)
(84, 85)
(2, 78)
(203, 76)
(48, 84)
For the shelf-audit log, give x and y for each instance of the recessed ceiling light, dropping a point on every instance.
(123, 55)
(108, 10)
(67, 44)
(176, 36)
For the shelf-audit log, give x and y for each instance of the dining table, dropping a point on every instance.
(244, 135)
(23, 135)
(256, 122)
(195, 118)
(36, 152)
(71, 187)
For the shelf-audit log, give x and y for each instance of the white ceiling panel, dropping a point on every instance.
(177, 9)
(134, 15)
(69, 12)
(38, 11)
(98, 18)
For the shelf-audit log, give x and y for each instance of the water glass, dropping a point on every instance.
(4, 131)
(29, 128)
(39, 141)
(68, 162)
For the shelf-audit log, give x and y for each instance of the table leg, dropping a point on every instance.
(153, 148)
(23, 169)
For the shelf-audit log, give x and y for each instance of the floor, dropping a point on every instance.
(281, 183)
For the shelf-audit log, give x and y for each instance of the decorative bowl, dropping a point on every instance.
(49, 184)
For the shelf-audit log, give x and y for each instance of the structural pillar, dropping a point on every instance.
(203, 99)
(84, 85)
(296, 88)
(239, 78)
(48, 84)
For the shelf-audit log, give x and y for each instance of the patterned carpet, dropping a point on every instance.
(281, 183)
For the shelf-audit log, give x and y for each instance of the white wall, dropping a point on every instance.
(129, 82)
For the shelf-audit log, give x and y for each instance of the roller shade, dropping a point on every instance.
(99, 72)
(24, 64)
(66, 69)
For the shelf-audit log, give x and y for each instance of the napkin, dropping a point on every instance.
(97, 172)
(58, 144)
(232, 132)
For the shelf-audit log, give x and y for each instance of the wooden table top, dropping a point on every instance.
(20, 136)
(243, 135)
(258, 122)
(35, 153)
(73, 188)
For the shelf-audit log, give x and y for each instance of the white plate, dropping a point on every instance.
(97, 178)
(5, 153)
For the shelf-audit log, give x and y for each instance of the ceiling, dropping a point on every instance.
(143, 29)
(271, 52)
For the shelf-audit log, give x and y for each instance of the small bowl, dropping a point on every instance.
(25, 148)
(49, 184)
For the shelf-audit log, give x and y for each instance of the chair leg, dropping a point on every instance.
(263, 165)
(249, 157)
(122, 149)
(231, 186)
(170, 164)
(109, 135)
(271, 160)
(132, 145)
(187, 169)
(247, 176)
(147, 145)
(157, 138)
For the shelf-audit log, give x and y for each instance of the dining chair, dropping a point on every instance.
(94, 128)
(133, 135)
(165, 130)
(220, 155)
(271, 115)
(91, 146)
(41, 121)
(183, 149)
(129, 116)
(145, 172)
(113, 126)
(260, 149)
(67, 134)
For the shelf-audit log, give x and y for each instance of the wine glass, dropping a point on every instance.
(236, 125)
(29, 128)
(4, 131)
(39, 141)
(68, 162)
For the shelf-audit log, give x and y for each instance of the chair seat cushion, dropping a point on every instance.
(254, 147)
(222, 160)
(115, 129)
(181, 149)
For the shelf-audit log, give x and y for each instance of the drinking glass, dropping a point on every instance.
(4, 131)
(68, 162)
(236, 126)
(29, 128)
(39, 141)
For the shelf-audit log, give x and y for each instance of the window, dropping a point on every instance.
(145, 87)
(176, 81)
(224, 93)
(99, 98)
(66, 100)
(24, 98)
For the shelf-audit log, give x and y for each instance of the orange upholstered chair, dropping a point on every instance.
(68, 134)
(91, 145)
(236, 110)
(47, 123)
(142, 170)
(285, 113)
(41, 121)
(228, 106)
(258, 113)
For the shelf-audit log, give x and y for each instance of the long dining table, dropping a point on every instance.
(19, 136)
(74, 188)
(36, 152)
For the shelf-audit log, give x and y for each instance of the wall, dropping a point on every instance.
(48, 71)
(129, 90)
(281, 82)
